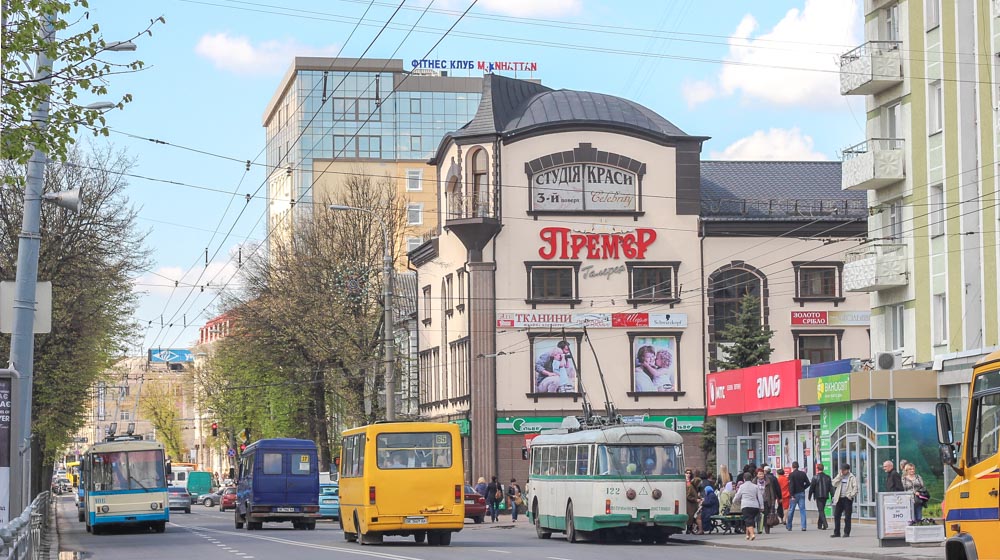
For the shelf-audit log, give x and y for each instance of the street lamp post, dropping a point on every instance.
(388, 340)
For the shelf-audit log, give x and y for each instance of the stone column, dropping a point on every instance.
(482, 370)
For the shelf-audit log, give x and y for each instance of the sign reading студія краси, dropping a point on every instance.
(488, 66)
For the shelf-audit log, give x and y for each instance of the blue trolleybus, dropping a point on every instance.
(124, 482)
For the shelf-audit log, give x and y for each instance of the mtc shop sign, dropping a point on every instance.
(766, 387)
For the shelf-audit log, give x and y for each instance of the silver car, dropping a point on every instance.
(178, 497)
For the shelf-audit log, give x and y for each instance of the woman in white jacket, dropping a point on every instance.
(751, 499)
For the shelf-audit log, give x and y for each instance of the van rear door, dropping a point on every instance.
(302, 482)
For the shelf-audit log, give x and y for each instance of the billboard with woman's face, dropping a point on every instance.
(654, 363)
(555, 367)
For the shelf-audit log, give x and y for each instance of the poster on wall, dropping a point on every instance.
(806, 459)
(556, 369)
(787, 449)
(654, 363)
(773, 450)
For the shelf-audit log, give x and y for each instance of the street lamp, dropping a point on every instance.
(388, 340)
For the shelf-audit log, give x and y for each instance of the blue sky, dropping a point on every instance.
(759, 78)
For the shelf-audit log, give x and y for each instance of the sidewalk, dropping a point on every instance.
(861, 544)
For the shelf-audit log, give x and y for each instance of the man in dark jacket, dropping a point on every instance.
(798, 482)
(494, 495)
(893, 481)
(772, 482)
(819, 489)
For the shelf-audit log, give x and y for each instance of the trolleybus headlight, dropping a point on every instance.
(630, 494)
(105, 509)
(154, 505)
(657, 494)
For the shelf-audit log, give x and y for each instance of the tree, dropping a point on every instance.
(90, 258)
(748, 344)
(78, 67)
(159, 404)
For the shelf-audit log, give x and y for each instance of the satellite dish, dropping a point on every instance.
(69, 200)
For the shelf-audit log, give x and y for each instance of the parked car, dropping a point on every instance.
(210, 499)
(475, 505)
(61, 485)
(228, 499)
(178, 497)
(329, 500)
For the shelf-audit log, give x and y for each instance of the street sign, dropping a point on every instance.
(80, 439)
(232, 453)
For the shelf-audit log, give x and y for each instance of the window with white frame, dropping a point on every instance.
(937, 212)
(892, 23)
(935, 107)
(652, 282)
(940, 319)
(125, 415)
(415, 213)
(414, 178)
(895, 326)
(932, 14)
(412, 243)
(893, 221)
(817, 280)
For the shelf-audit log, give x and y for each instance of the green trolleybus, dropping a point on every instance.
(610, 482)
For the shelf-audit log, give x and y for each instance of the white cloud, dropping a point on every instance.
(160, 282)
(776, 144)
(696, 92)
(532, 8)
(238, 55)
(763, 67)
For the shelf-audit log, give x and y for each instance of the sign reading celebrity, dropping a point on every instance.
(555, 368)
(654, 363)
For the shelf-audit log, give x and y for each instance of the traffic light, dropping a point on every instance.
(243, 447)
(215, 429)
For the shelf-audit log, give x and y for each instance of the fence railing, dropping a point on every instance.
(461, 206)
(868, 49)
(872, 144)
(785, 208)
(21, 539)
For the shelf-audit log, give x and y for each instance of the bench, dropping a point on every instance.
(727, 523)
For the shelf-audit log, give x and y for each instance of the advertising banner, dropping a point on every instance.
(655, 366)
(765, 387)
(833, 388)
(556, 369)
(895, 510)
(831, 318)
(535, 320)
(5, 412)
(170, 355)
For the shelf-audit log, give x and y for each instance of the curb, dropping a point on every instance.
(843, 553)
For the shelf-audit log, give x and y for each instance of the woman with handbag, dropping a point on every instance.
(913, 483)
(516, 501)
(770, 516)
(751, 499)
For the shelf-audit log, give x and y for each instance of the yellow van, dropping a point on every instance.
(403, 479)
(972, 501)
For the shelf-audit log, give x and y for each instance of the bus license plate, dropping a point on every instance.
(414, 520)
(285, 510)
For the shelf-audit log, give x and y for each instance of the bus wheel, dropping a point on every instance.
(310, 525)
(570, 525)
(542, 533)
(661, 537)
(79, 515)
(254, 525)
(444, 539)
(419, 537)
(433, 538)
(160, 526)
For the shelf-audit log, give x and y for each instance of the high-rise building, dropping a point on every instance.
(928, 72)
(331, 118)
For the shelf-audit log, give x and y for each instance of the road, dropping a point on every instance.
(210, 535)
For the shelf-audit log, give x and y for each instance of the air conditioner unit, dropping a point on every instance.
(888, 360)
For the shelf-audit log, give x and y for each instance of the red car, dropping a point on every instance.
(475, 505)
(228, 499)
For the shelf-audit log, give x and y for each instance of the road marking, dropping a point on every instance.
(556, 558)
(343, 549)
(498, 551)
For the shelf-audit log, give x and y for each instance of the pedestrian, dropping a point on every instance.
(709, 508)
(724, 476)
(786, 496)
(751, 499)
(772, 496)
(914, 484)
(481, 488)
(819, 489)
(798, 482)
(893, 482)
(693, 501)
(845, 490)
(775, 492)
(494, 495)
(514, 495)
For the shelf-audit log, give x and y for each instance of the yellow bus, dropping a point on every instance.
(402, 479)
(971, 504)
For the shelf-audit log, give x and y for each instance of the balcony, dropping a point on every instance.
(875, 267)
(871, 68)
(473, 218)
(873, 164)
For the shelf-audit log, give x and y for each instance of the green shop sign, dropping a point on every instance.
(464, 426)
(833, 388)
(510, 425)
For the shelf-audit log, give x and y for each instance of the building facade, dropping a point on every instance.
(929, 167)
(586, 255)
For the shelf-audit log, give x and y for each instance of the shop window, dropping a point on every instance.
(817, 346)
(818, 281)
(549, 283)
(652, 282)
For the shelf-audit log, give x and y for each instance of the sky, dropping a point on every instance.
(760, 78)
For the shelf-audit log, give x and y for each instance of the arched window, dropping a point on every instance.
(453, 198)
(480, 183)
(727, 289)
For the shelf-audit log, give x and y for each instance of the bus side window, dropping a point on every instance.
(986, 424)
(582, 459)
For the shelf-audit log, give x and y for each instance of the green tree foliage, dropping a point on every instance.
(80, 70)
(90, 258)
(158, 404)
(749, 344)
(304, 355)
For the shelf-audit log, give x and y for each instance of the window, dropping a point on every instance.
(895, 326)
(415, 144)
(272, 463)
(426, 315)
(461, 289)
(356, 109)
(727, 290)
(985, 426)
(940, 319)
(430, 450)
(353, 462)
(652, 282)
(893, 221)
(415, 213)
(480, 185)
(937, 210)
(412, 243)
(932, 14)
(892, 23)
(547, 282)
(448, 286)
(301, 463)
(357, 146)
(817, 348)
(816, 280)
(415, 106)
(123, 391)
(935, 107)
(894, 122)
(414, 179)
(125, 415)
